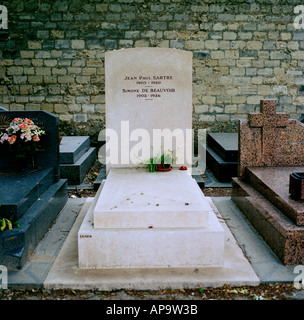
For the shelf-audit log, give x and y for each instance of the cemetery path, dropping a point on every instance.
(275, 291)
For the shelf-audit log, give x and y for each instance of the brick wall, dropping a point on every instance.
(52, 55)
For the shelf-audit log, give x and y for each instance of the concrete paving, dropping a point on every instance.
(66, 274)
(54, 264)
(36, 269)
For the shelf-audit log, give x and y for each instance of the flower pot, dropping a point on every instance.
(163, 167)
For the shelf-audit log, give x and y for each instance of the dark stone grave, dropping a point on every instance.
(271, 150)
(76, 158)
(33, 197)
(222, 155)
(101, 176)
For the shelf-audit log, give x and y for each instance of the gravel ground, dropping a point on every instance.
(276, 291)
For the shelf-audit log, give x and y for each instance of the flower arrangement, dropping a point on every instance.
(23, 136)
(161, 163)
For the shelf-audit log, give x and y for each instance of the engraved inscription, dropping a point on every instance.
(148, 87)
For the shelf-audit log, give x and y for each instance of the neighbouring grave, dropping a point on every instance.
(76, 158)
(222, 155)
(33, 196)
(147, 219)
(271, 149)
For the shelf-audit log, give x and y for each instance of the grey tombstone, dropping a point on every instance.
(33, 197)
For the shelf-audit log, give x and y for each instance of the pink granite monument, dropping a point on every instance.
(270, 139)
(271, 148)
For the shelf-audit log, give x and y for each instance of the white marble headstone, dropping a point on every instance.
(141, 219)
(148, 95)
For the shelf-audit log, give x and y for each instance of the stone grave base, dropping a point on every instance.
(35, 200)
(66, 274)
(222, 155)
(76, 158)
(150, 220)
(265, 201)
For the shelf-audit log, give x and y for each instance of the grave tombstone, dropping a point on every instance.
(273, 142)
(33, 197)
(221, 155)
(271, 151)
(143, 219)
(48, 155)
(76, 158)
(151, 94)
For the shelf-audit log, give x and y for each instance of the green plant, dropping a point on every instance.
(152, 166)
(165, 160)
(8, 224)
(5, 224)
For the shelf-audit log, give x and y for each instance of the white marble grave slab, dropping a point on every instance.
(157, 247)
(135, 198)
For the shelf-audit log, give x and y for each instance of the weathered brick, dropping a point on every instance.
(26, 89)
(229, 35)
(66, 79)
(88, 108)
(77, 44)
(43, 34)
(110, 44)
(194, 44)
(19, 79)
(62, 44)
(14, 71)
(34, 45)
(158, 25)
(94, 44)
(81, 117)
(25, 54)
(60, 108)
(83, 79)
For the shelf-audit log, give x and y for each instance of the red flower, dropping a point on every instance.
(23, 126)
(17, 120)
(28, 121)
(12, 139)
(36, 138)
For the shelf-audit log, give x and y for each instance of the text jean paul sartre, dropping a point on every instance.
(148, 86)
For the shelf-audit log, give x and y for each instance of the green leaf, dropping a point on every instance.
(9, 224)
(3, 224)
